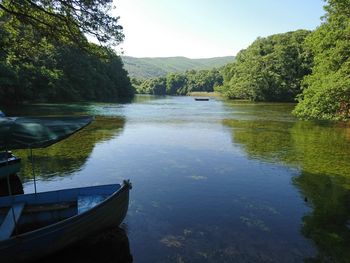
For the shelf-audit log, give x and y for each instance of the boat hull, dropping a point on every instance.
(9, 164)
(35, 244)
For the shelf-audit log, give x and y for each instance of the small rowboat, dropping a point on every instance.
(201, 99)
(34, 225)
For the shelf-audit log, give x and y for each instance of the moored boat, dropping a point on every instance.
(34, 225)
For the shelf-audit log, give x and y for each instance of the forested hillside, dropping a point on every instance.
(145, 68)
(45, 55)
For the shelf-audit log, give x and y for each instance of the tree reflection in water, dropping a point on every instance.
(69, 155)
(321, 151)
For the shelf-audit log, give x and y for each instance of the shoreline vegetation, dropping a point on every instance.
(310, 68)
(45, 55)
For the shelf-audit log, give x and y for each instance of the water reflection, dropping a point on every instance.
(70, 155)
(322, 153)
(319, 148)
(147, 98)
(215, 181)
(329, 223)
(111, 246)
(43, 109)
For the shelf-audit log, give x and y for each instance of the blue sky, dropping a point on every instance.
(208, 28)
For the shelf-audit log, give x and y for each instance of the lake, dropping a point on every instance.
(213, 181)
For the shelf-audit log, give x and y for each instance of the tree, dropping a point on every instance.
(181, 83)
(326, 93)
(63, 19)
(202, 80)
(158, 86)
(174, 82)
(270, 69)
(36, 68)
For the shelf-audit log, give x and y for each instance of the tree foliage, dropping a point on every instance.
(36, 67)
(155, 86)
(313, 68)
(270, 69)
(182, 83)
(326, 92)
(64, 19)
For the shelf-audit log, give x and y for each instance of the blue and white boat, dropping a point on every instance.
(35, 225)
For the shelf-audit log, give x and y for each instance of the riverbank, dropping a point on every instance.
(205, 94)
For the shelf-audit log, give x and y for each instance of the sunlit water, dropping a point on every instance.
(214, 181)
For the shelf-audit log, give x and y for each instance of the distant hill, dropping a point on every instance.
(157, 67)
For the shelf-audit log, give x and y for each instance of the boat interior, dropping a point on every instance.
(23, 213)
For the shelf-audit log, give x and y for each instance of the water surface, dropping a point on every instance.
(214, 181)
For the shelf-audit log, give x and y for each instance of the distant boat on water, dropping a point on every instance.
(201, 99)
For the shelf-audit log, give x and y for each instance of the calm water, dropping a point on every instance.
(213, 181)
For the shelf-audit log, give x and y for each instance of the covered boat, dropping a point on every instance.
(38, 132)
(34, 225)
(33, 132)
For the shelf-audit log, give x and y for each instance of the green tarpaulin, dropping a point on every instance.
(37, 132)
